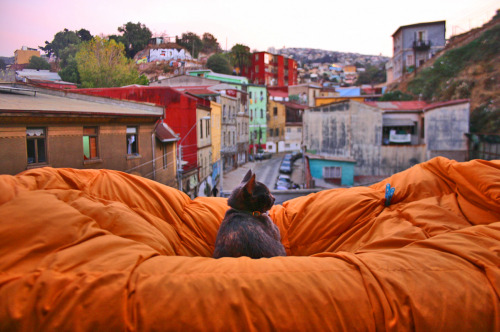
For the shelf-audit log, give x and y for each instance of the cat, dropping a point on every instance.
(246, 229)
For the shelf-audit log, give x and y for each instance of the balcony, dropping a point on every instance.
(421, 45)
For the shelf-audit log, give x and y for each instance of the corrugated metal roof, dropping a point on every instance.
(85, 105)
(416, 105)
(34, 74)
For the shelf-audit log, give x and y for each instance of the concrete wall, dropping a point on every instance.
(445, 129)
(394, 158)
(347, 129)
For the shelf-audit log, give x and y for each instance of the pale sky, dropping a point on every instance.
(358, 26)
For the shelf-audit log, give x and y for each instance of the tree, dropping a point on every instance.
(69, 69)
(396, 95)
(61, 40)
(135, 37)
(240, 56)
(372, 75)
(191, 42)
(210, 44)
(84, 35)
(219, 64)
(37, 62)
(102, 63)
(3, 65)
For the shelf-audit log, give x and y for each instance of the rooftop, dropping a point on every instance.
(25, 100)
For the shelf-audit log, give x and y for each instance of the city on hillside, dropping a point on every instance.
(182, 112)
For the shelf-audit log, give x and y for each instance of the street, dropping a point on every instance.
(267, 172)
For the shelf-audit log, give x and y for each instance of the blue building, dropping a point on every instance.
(339, 171)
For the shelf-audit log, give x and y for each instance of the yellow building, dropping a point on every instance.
(276, 118)
(216, 130)
(23, 55)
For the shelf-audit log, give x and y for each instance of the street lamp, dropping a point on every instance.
(179, 154)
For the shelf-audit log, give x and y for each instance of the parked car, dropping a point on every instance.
(282, 185)
(284, 177)
(296, 155)
(263, 155)
(288, 157)
(286, 167)
(286, 185)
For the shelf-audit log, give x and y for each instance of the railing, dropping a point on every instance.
(421, 45)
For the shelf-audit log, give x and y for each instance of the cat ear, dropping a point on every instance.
(247, 176)
(250, 185)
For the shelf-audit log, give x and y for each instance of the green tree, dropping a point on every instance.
(135, 37)
(240, 56)
(61, 40)
(372, 75)
(396, 95)
(84, 35)
(191, 42)
(210, 44)
(219, 64)
(102, 63)
(37, 62)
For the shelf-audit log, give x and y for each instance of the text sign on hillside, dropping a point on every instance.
(165, 54)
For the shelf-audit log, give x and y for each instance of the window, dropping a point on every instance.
(275, 111)
(299, 130)
(409, 59)
(90, 143)
(271, 132)
(257, 68)
(132, 147)
(36, 148)
(201, 128)
(277, 132)
(261, 113)
(207, 123)
(224, 111)
(288, 130)
(332, 172)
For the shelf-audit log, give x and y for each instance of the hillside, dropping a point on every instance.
(469, 67)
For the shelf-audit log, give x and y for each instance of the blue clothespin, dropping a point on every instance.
(389, 192)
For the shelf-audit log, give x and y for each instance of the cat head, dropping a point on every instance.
(251, 195)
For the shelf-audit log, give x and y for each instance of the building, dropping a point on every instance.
(23, 56)
(305, 94)
(276, 119)
(40, 127)
(413, 45)
(271, 70)
(384, 138)
(257, 95)
(186, 114)
(293, 126)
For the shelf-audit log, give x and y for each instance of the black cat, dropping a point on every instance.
(246, 229)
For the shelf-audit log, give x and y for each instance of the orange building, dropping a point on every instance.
(23, 56)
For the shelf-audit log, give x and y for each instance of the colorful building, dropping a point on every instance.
(183, 113)
(257, 95)
(271, 70)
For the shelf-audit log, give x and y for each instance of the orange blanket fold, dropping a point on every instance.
(87, 250)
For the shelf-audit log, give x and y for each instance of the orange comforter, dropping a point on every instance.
(88, 250)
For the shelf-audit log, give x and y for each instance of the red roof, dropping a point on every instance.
(277, 93)
(165, 134)
(294, 105)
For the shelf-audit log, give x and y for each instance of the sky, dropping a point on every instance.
(357, 26)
